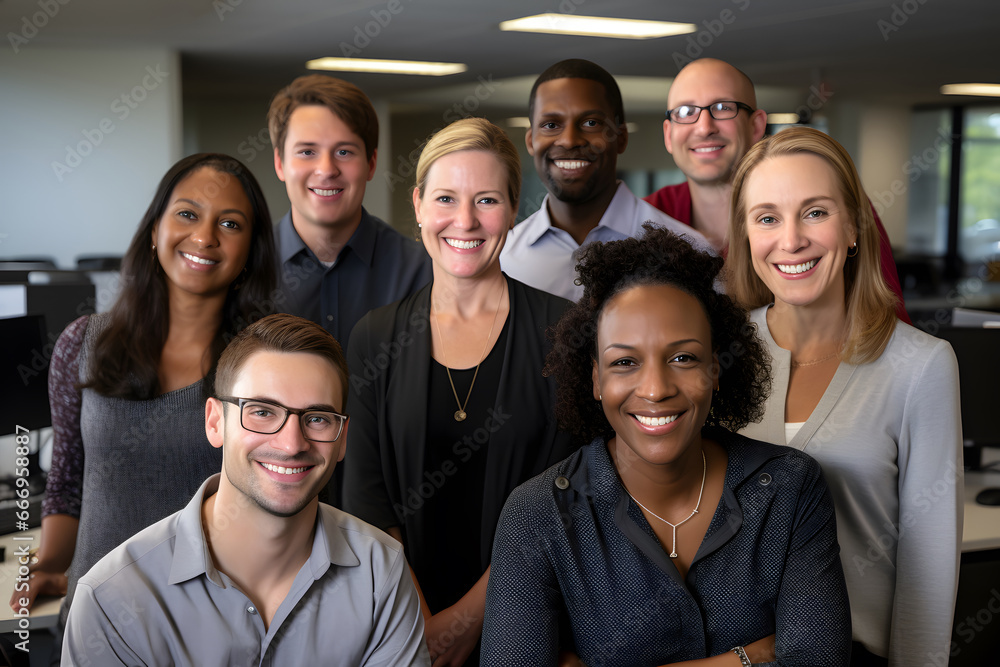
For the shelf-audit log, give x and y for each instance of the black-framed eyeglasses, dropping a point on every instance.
(689, 113)
(267, 417)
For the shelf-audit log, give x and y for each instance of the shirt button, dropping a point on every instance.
(329, 318)
(764, 479)
(562, 483)
(251, 609)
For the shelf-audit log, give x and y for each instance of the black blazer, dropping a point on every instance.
(389, 359)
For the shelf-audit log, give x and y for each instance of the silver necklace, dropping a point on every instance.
(704, 474)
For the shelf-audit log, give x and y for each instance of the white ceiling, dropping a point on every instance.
(892, 50)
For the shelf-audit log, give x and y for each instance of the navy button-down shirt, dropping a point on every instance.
(377, 266)
(577, 566)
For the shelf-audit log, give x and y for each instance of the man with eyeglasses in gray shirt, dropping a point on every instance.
(255, 571)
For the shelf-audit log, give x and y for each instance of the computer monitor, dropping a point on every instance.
(24, 373)
(978, 354)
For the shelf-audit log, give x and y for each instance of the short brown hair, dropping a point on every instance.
(279, 333)
(871, 314)
(345, 100)
(473, 134)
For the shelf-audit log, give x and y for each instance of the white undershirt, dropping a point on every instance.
(791, 430)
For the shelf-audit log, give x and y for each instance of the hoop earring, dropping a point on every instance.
(854, 248)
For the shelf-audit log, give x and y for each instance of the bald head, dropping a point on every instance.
(708, 149)
(720, 75)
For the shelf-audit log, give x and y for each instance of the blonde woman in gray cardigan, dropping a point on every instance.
(874, 400)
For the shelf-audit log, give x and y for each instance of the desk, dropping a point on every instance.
(45, 611)
(982, 524)
(975, 643)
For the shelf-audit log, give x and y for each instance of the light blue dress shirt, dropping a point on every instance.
(544, 256)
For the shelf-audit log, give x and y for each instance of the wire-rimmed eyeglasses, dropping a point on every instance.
(267, 417)
(689, 113)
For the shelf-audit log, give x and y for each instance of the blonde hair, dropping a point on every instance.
(871, 315)
(473, 134)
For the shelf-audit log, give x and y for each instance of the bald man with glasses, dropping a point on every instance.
(711, 123)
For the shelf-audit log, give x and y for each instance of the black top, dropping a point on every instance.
(456, 473)
(389, 358)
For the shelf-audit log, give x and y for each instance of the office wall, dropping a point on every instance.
(237, 126)
(878, 138)
(87, 134)
(884, 149)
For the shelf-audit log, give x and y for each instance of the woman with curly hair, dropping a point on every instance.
(669, 538)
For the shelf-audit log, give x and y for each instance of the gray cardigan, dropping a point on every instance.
(889, 437)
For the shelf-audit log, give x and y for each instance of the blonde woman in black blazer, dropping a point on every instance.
(449, 408)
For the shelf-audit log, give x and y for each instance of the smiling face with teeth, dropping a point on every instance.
(464, 214)
(575, 139)
(654, 374)
(799, 230)
(203, 237)
(708, 150)
(281, 474)
(325, 171)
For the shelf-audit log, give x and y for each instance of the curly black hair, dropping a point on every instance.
(659, 257)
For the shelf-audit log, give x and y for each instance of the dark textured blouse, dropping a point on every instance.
(577, 566)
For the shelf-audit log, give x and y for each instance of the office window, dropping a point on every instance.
(972, 223)
(927, 173)
(979, 219)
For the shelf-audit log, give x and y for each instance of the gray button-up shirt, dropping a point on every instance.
(158, 599)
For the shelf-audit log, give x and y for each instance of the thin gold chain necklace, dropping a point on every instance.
(813, 362)
(460, 414)
(673, 546)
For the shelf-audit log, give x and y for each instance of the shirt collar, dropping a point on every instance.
(619, 215)
(599, 479)
(362, 241)
(329, 545)
(192, 557)
(289, 242)
(538, 223)
(621, 212)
